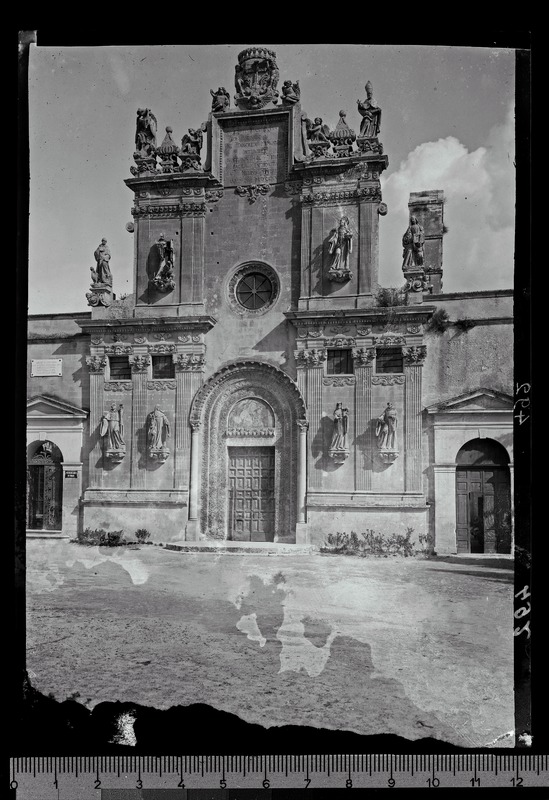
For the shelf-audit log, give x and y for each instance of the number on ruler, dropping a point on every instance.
(348, 784)
(307, 782)
(391, 782)
(516, 781)
(139, 783)
(433, 782)
(266, 784)
(475, 781)
(181, 784)
(97, 783)
(222, 783)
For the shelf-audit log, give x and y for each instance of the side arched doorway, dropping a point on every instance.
(44, 487)
(483, 498)
(248, 453)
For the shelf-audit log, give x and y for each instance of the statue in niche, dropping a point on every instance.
(386, 429)
(164, 279)
(370, 113)
(101, 274)
(191, 143)
(158, 430)
(220, 99)
(145, 135)
(341, 246)
(339, 436)
(111, 428)
(290, 92)
(413, 242)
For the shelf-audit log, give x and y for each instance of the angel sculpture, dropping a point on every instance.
(317, 131)
(290, 92)
(220, 99)
(145, 134)
(192, 141)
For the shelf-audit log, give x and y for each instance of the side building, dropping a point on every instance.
(258, 385)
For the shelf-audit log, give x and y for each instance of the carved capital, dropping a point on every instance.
(140, 363)
(96, 364)
(303, 425)
(189, 362)
(414, 355)
(310, 358)
(364, 356)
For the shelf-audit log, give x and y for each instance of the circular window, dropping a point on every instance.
(253, 289)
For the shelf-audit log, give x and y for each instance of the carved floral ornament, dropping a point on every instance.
(414, 355)
(252, 191)
(96, 364)
(140, 363)
(364, 356)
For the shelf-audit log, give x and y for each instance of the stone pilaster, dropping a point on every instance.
(96, 365)
(305, 251)
(414, 358)
(302, 472)
(189, 374)
(363, 359)
(312, 362)
(140, 370)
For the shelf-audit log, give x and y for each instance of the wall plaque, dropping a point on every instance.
(255, 151)
(43, 367)
(71, 474)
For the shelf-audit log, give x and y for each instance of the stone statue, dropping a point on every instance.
(101, 274)
(164, 279)
(191, 143)
(341, 245)
(290, 92)
(158, 429)
(111, 428)
(370, 113)
(220, 99)
(339, 436)
(413, 242)
(317, 131)
(145, 135)
(386, 429)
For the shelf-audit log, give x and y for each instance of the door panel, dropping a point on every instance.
(251, 493)
(44, 497)
(483, 510)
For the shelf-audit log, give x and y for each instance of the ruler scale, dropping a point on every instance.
(61, 778)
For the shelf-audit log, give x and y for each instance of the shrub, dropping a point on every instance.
(390, 296)
(141, 535)
(370, 543)
(427, 542)
(440, 321)
(101, 537)
(465, 324)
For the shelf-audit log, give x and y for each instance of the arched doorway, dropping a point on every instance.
(483, 498)
(247, 422)
(44, 486)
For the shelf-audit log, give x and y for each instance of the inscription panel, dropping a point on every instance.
(255, 151)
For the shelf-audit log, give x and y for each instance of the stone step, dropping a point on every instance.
(233, 548)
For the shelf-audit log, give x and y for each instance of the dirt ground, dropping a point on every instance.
(417, 648)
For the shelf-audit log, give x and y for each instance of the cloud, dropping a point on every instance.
(479, 187)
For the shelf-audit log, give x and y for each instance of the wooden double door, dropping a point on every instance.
(251, 494)
(483, 508)
(44, 494)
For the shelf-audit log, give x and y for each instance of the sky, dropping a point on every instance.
(447, 123)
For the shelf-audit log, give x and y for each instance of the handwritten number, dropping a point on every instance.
(524, 593)
(521, 418)
(522, 386)
(526, 627)
(522, 611)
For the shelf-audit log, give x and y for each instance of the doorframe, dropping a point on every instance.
(450, 425)
(502, 468)
(238, 443)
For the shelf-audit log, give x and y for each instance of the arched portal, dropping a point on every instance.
(44, 486)
(248, 426)
(483, 498)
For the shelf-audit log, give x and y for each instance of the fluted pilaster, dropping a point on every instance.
(140, 367)
(96, 365)
(413, 366)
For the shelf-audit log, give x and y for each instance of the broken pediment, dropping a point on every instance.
(475, 400)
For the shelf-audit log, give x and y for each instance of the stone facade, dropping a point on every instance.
(254, 315)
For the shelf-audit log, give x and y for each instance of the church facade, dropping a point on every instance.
(259, 386)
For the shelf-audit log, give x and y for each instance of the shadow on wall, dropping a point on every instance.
(275, 342)
(320, 445)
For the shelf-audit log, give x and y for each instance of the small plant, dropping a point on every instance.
(390, 297)
(440, 321)
(370, 543)
(100, 537)
(142, 535)
(465, 324)
(427, 542)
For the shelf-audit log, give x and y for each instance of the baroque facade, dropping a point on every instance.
(258, 386)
